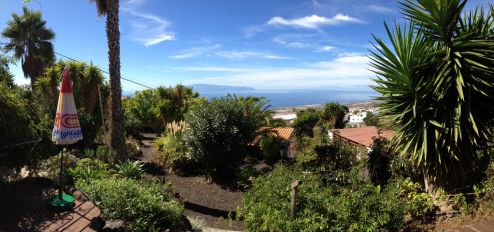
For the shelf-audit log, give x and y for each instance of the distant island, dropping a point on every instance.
(219, 88)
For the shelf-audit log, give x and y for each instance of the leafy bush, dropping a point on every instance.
(217, 135)
(23, 119)
(50, 167)
(379, 161)
(106, 154)
(130, 169)
(306, 121)
(245, 175)
(151, 110)
(333, 115)
(88, 168)
(142, 204)
(270, 147)
(172, 149)
(360, 207)
(419, 203)
(371, 119)
(331, 161)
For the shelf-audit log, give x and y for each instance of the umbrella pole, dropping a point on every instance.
(61, 201)
(60, 190)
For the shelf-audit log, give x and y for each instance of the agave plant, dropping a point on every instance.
(437, 83)
(130, 169)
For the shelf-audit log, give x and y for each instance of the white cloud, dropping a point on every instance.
(380, 9)
(195, 51)
(147, 29)
(212, 50)
(252, 30)
(212, 69)
(313, 21)
(234, 54)
(344, 71)
(326, 48)
(293, 44)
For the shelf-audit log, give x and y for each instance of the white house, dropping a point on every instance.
(357, 118)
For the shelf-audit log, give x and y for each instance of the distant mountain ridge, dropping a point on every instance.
(219, 88)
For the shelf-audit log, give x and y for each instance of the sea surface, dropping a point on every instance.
(279, 99)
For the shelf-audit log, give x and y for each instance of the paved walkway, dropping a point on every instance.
(24, 207)
(81, 218)
(485, 226)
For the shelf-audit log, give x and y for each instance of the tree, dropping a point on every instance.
(117, 125)
(30, 42)
(333, 114)
(142, 110)
(217, 135)
(306, 121)
(175, 102)
(371, 119)
(379, 161)
(437, 85)
(5, 75)
(85, 78)
(256, 109)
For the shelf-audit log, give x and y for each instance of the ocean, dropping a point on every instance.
(281, 99)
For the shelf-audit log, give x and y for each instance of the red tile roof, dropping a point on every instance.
(362, 135)
(284, 133)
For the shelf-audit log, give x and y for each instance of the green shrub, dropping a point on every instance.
(50, 167)
(130, 169)
(270, 147)
(173, 152)
(245, 175)
(106, 154)
(359, 207)
(419, 203)
(88, 168)
(217, 135)
(379, 161)
(306, 121)
(142, 204)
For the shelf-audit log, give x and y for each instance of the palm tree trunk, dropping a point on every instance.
(117, 127)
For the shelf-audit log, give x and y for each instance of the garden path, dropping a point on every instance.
(205, 202)
(483, 226)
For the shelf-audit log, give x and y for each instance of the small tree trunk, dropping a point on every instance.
(117, 127)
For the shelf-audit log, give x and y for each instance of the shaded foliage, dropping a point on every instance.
(379, 161)
(333, 115)
(306, 121)
(371, 119)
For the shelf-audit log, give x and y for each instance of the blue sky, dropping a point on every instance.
(265, 44)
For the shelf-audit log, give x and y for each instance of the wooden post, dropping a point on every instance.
(293, 194)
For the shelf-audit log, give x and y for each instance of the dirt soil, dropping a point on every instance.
(204, 200)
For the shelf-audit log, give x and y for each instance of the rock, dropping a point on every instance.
(185, 220)
(80, 196)
(114, 226)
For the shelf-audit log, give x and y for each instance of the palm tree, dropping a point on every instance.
(437, 86)
(117, 127)
(30, 42)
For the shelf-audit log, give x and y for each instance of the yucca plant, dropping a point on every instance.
(437, 83)
(130, 169)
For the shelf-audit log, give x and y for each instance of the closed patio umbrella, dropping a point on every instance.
(66, 130)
